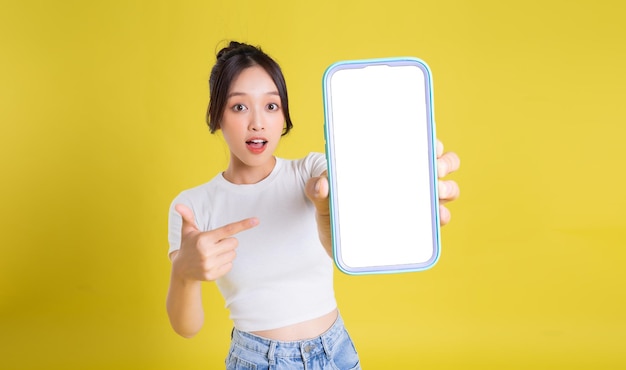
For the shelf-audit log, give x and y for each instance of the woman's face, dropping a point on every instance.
(253, 121)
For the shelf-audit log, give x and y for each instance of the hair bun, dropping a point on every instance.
(233, 45)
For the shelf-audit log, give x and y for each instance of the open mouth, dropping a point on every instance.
(256, 145)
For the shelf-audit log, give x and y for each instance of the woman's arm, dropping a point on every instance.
(184, 303)
(317, 191)
(203, 256)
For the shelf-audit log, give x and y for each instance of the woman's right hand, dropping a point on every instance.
(206, 255)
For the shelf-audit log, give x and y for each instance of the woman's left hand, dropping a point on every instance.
(317, 191)
(448, 189)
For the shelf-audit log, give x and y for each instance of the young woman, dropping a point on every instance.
(276, 276)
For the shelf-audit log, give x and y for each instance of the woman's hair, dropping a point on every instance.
(231, 61)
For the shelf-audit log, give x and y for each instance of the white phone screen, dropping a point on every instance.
(380, 149)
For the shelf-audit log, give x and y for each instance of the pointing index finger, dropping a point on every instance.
(231, 229)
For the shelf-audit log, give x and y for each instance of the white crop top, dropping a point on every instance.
(282, 274)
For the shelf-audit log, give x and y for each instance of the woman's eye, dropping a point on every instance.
(272, 106)
(239, 107)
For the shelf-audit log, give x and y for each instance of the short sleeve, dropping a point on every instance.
(315, 164)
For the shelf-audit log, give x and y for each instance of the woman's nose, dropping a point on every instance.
(256, 121)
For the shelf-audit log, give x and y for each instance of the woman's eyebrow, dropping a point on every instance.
(237, 93)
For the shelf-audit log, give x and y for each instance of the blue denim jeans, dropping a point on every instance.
(332, 350)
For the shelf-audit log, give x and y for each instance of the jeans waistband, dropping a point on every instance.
(298, 349)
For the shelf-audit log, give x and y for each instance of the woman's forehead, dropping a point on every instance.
(252, 80)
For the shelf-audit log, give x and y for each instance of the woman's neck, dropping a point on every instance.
(239, 173)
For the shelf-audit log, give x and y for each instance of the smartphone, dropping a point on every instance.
(381, 153)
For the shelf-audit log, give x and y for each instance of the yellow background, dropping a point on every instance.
(102, 109)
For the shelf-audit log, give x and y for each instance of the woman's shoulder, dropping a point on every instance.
(200, 191)
(313, 164)
(312, 157)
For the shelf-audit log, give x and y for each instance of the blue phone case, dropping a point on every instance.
(434, 247)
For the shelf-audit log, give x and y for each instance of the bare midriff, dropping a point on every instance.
(301, 331)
